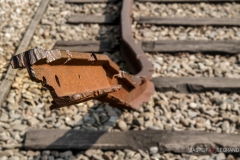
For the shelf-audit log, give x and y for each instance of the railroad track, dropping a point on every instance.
(185, 85)
(180, 84)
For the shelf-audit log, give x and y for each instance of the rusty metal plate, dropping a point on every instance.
(74, 77)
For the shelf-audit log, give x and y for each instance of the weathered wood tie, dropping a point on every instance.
(188, 21)
(173, 21)
(166, 141)
(196, 84)
(105, 19)
(228, 46)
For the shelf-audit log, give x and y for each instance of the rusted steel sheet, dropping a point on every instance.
(132, 52)
(74, 77)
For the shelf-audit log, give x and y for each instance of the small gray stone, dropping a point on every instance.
(4, 136)
(217, 71)
(225, 126)
(112, 120)
(33, 121)
(230, 157)
(156, 156)
(145, 155)
(104, 119)
(44, 157)
(139, 121)
(193, 105)
(14, 158)
(6, 153)
(184, 122)
(129, 153)
(30, 153)
(168, 126)
(46, 152)
(153, 150)
(19, 127)
(36, 110)
(54, 153)
(72, 158)
(97, 157)
(51, 158)
(4, 125)
(122, 125)
(192, 114)
(108, 155)
(223, 106)
(221, 156)
(82, 157)
(120, 154)
(208, 124)
(4, 117)
(11, 146)
(211, 113)
(149, 123)
(66, 154)
(4, 158)
(91, 152)
(96, 117)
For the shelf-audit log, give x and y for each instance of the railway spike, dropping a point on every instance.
(74, 77)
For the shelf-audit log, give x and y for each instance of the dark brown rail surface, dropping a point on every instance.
(165, 141)
(164, 46)
(132, 53)
(196, 84)
(7, 82)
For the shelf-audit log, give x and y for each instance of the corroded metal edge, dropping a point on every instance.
(81, 97)
(31, 56)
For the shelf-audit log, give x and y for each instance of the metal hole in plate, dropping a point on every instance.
(44, 80)
(57, 80)
(79, 76)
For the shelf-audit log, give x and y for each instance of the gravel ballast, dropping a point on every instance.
(27, 104)
(15, 17)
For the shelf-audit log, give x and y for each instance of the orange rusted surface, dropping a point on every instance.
(74, 77)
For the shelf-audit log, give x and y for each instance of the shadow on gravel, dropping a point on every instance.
(65, 143)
